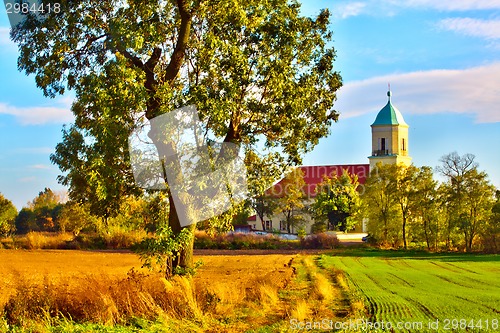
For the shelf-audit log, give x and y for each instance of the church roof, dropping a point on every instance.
(313, 175)
(389, 115)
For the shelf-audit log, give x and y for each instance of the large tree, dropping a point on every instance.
(406, 179)
(426, 211)
(256, 71)
(469, 195)
(381, 205)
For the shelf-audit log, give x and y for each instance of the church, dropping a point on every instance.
(389, 146)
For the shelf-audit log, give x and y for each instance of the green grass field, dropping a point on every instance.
(441, 292)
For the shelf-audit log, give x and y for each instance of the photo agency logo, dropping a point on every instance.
(204, 178)
(18, 11)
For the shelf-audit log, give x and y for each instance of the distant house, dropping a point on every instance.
(244, 228)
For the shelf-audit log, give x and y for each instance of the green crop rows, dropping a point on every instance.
(457, 291)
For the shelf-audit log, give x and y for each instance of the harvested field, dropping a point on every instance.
(229, 293)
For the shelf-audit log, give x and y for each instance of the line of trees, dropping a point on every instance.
(406, 204)
(48, 212)
(401, 204)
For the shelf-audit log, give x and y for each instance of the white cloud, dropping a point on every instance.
(489, 29)
(39, 115)
(345, 9)
(451, 5)
(41, 167)
(474, 91)
(349, 9)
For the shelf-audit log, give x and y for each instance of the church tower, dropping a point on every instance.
(389, 137)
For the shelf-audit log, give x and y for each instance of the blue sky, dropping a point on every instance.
(442, 59)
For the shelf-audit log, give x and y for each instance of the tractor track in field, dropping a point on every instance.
(445, 267)
(406, 283)
(376, 283)
(450, 281)
(461, 268)
(421, 307)
(478, 303)
(357, 259)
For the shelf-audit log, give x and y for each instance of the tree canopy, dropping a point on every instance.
(337, 201)
(259, 73)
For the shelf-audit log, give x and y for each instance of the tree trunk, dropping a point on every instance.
(263, 223)
(426, 232)
(404, 232)
(184, 258)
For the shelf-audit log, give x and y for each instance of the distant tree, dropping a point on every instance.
(491, 234)
(264, 206)
(41, 214)
(262, 173)
(290, 201)
(469, 195)
(75, 217)
(426, 210)
(479, 194)
(380, 204)
(406, 178)
(8, 214)
(97, 172)
(25, 221)
(337, 202)
(46, 207)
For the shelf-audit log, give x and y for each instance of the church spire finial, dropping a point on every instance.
(389, 91)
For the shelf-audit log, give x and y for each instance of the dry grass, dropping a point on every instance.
(115, 239)
(301, 311)
(39, 240)
(229, 294)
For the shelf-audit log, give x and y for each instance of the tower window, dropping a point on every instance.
(382, 144)
(403, 144)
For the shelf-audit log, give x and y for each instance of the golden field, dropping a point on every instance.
(229, 293)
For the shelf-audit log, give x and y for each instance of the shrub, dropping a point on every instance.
(120, 239)
(237, 241)
(320, 241)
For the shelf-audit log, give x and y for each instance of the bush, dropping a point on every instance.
(119, 239)
(320, 241)
(242, 241)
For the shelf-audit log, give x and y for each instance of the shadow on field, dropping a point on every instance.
(416, 255)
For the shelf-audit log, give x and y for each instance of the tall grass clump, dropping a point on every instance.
(122, 239)
(301, 311)
(46, 240)
(105, 300)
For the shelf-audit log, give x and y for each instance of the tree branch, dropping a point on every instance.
(178, 55)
